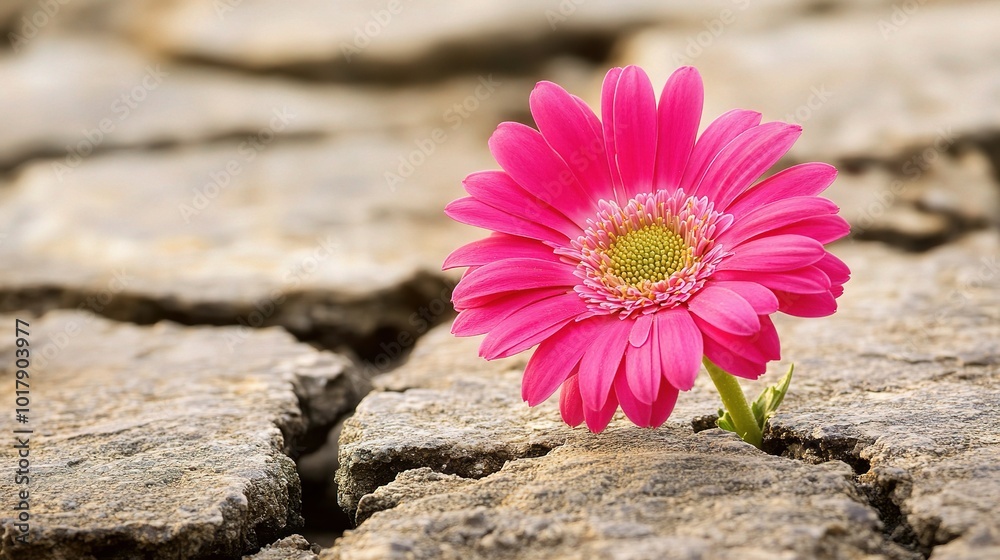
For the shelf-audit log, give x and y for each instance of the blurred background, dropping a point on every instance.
(267, 163)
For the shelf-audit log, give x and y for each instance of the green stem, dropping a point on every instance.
(736, 404)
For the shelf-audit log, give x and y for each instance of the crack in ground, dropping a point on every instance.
(499, 54)
(369, 328)
(878, 487)
(370, 475)
(10, 165)
(956, 223)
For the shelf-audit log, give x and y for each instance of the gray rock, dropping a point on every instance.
(627, 493)
(330, 225)
(894, 106)
(155, 442)
(908, 390)
(886, 443)
(307, 236)
(868, 84)
(295, 547)
(123, 99)
(395, 40)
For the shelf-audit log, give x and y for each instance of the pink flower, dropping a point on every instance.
(627, 249)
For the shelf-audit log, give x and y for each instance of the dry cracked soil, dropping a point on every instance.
(221, 231)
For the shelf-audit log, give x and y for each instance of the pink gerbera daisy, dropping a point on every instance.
(627, 250)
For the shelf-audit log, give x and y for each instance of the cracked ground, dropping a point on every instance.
(223, 223)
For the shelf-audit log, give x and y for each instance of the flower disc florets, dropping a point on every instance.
(655, 252)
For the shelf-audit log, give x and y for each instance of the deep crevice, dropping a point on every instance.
(379, 328)
(910, 165)
(378, 331)
(499, 54)
(879, 489)
(10, 165)
(371, 475)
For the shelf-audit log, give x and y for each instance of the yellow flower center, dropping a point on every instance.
(648, 254)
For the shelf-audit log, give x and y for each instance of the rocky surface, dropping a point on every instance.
(266, 201)
(154, 442)
(886, 443)
(295, 547)
(875, 91)
(240, 163)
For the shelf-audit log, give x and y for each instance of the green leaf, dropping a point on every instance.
(725, 421)
(767, 403)
(764, 406)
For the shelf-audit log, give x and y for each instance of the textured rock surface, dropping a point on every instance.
(629, 494)
(195, 204)
(154, 442)
(265, 201)
(295, 547)
(274, 245)
(876, 93)
(893, 397)
(861, 90)
(386, 40)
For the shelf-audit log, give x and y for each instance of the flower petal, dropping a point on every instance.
(680, 347)
(720, 132)
(497, 247)
(481, 320)
(499, 190)
(566, 126)
(725, 309)
(807, 305)
(762, 300)
(635, 410)
(732, 363)
(608, 118)
(663, 405)
(773, 216)
(825, 229)
(523, 153)
(598, 419)
(511, 275)
(774, 253)
(635, 130)
(554, 360)
(835, 268)
(640, 330)
(805, 179)
(762, 346)
(600, 363)
(805, 280)
(745, 159)
(678, 116)
(470, 211)
(643, 375)
(570, 402)
(530, 325)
